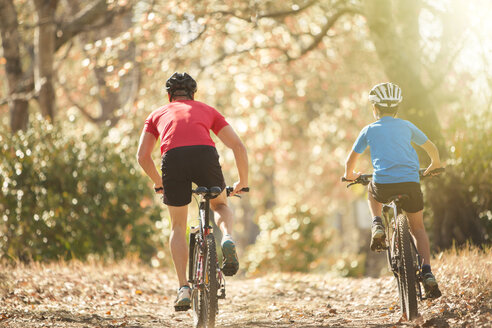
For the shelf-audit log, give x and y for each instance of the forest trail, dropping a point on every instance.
(128, 295)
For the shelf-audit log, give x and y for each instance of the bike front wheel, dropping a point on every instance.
(407, 271)
(205, 282)
(211, 283)
(196, 277)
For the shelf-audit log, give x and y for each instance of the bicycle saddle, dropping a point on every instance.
(209, 193)
(398, 197)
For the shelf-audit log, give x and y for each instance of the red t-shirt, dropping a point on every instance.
(184, 123)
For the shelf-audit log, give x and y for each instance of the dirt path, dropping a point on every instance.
(135, 296)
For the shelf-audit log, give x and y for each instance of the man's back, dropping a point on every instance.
(184, 123)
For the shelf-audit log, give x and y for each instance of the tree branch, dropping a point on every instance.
(77, 105)
(438, 77)
(86, 18)
(22, 95)
(283, 13)
(331, 21)
(256, 16)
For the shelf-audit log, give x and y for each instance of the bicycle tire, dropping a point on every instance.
(211, 283)
(197, 296)
(391, 253)
(407, 275)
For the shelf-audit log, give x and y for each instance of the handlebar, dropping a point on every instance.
(431, 173)
(364, 179)
(231, 189)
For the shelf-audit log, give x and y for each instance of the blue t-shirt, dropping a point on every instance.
(393, 157)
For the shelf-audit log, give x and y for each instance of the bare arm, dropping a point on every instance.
(433, 153)
(350, 166)
(144, 157)
(232, 141)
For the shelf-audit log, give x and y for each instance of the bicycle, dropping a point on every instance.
(403, 258)
(205, 276)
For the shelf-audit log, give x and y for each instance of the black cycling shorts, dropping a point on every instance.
(383, 191)
(183, 165)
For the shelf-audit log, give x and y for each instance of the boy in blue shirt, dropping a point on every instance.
(396, 171)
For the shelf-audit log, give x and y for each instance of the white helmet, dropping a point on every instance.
(386, 95)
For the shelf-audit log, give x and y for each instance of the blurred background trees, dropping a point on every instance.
(292, 77)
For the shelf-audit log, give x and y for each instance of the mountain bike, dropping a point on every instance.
(205, 276)
(403, 258)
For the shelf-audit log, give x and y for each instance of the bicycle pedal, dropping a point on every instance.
(182, 308)
(381, 249)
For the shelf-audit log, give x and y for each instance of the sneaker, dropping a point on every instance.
(430, 286)
(183, 301)
(230, 263)
(378, 240)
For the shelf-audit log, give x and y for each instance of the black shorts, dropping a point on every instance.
(383, 191)
(183, 165)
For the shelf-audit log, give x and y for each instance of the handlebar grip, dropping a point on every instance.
(439, 170)
(344, 180)
(435, 171)
(230, 189)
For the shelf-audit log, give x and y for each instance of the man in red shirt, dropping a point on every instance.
(189, 155)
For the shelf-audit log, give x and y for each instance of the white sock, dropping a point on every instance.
(226, 237)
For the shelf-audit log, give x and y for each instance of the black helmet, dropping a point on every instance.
(181, 81)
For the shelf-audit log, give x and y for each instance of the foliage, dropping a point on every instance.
(67, 196)
(290, 76)
(291, 239)
(463, 193)
(348, 264)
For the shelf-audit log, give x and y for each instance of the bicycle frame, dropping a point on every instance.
(206, 278)
(200, 233)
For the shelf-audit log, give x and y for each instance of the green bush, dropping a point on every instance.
(291, 238)
(461, 199)
(65, 195)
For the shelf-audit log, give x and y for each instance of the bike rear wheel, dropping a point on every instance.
(407, 271)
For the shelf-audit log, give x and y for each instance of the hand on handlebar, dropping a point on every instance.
(238, 186)
(352, 176)
(432, 167)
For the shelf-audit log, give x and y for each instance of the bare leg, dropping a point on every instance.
(416, 221)
(375, 207)
(224, 218)
(177, 241)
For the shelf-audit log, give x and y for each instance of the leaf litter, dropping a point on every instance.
(127, 294)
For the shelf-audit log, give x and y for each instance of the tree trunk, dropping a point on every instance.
(19, 114)
(44, 47)
(112, 101)
(399, 56)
